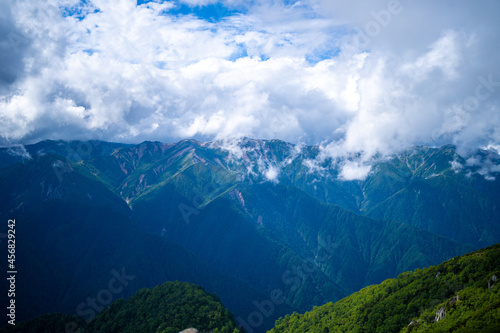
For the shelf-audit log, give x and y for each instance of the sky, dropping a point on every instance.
(361, 78)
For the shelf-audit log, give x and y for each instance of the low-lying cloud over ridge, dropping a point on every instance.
(364, 78)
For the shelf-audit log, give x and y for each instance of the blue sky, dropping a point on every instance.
(359, 77)
(214, 12)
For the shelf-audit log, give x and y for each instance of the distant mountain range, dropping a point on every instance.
(254, 221)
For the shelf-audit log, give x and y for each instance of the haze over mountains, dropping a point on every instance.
(270, 227)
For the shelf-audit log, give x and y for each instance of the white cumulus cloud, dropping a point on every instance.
(365, 78)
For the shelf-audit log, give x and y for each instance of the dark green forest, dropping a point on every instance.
(167, 308)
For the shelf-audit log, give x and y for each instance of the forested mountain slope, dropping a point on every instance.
(459, 295)
(167, 308)
(261, 217)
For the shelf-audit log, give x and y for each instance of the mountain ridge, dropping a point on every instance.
(255, 216)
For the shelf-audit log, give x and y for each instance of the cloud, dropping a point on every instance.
(354, 170)
(199, 2)
(485, 163)
(443, 56)
(456, 166)
(365, 78)
(19, 150)
(272, 174)
(13, 47)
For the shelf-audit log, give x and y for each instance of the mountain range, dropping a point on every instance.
(269, 226)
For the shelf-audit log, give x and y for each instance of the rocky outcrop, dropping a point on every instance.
(189, 330)
(492, 280)
(440, 314)
(454, 300)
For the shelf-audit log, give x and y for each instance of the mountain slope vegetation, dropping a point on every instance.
(265, 218)
(167, 308)
(464, 290)
(75, 237)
